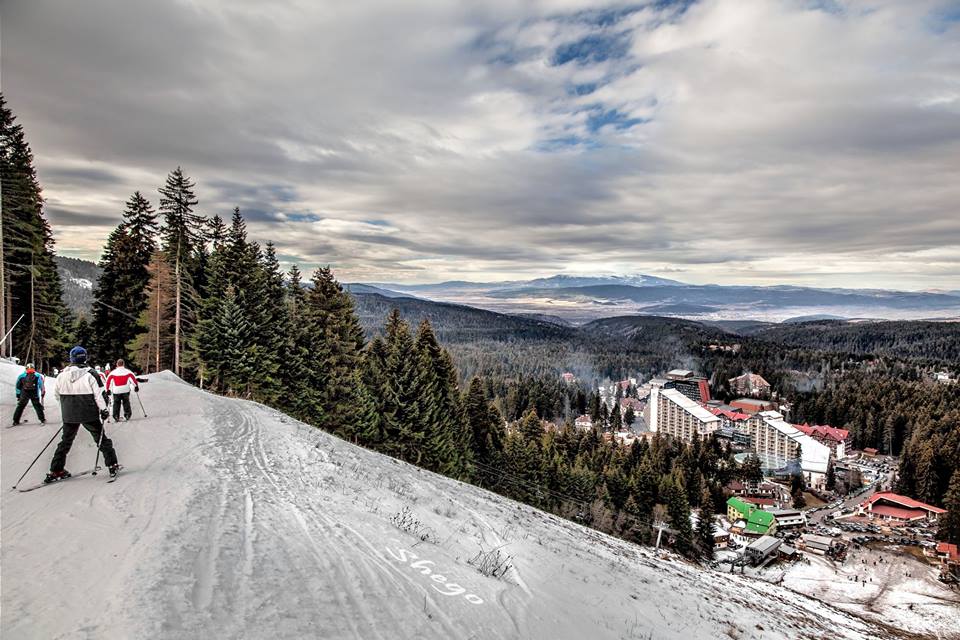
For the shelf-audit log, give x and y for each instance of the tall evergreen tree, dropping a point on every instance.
(445, 448)
(30, 287)
(484, 424)
(334, 339)
(180, 239)
(679, 511)
(140, 220)
(405, 433)
(233, 335)
(531, 429)
(120, 295)
(704, 532)
(274, 331)
(949, 529)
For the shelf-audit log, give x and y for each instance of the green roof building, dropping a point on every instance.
(758, 521)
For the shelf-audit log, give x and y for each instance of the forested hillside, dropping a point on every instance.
(79, 278)
(934, 342)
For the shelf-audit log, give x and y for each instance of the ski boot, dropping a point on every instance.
(114, 469)
(54, 476)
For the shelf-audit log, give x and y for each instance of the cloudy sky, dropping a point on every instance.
(728, 141)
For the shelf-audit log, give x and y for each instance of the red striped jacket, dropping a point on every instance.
(120, 380)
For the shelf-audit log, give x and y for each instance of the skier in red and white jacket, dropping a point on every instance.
(119, 383)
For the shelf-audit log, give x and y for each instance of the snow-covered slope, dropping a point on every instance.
(234, 521)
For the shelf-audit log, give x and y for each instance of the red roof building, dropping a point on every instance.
(750, 384)
(887, 505)
(948, 551)
(728, 413)
(949, 556)
(752, 405)
(833, 437)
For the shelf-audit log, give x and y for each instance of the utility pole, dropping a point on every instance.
(660, 526)
(3, 285)
(176, 325)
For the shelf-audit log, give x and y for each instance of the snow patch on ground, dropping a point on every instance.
(889, 585)
(232, 520)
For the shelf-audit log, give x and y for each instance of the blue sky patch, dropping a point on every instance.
(600, 118)
(592, 49)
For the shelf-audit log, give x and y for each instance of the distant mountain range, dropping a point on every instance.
(565, 300)
(580, 299)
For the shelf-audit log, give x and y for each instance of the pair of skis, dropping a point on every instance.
(41, 485)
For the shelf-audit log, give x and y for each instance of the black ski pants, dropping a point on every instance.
(22, 404)
(66, 441)
(124, 399)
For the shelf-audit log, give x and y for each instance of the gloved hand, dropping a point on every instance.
(103, 414)
(136, 389)
(107, 392)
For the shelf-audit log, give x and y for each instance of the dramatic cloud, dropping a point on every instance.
(725, 141)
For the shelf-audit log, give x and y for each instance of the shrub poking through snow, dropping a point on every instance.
(492, 564)
(405, 521)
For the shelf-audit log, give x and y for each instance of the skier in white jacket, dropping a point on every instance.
(80, 392)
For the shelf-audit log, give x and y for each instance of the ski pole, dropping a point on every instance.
(141, 404)
(103, 430)
(38, 456)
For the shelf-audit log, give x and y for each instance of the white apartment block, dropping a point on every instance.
(776, 442)
(674, 414)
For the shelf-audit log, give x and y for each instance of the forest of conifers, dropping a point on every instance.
(438, 385)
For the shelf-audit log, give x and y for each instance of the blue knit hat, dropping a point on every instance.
(78, 355)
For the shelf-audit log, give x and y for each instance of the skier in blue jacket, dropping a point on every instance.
(29, 389)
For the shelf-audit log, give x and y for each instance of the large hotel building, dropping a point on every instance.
(777, 443)
(674, 414)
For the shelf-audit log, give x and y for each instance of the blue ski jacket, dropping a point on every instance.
(39, 391)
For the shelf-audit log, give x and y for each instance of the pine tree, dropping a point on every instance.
(484, 424)
(180, 239)
(30, 286)
(405, 433)
(120, 295)
(216, 232)
(113, 327)
(531, 429)
(233, 335)
(616, 420)
(679, 511)
(928, 478)
(141, 222)
(273, 333)
(153, 349)
(373, 427)
(333, 338)
(445, 448)
(949, 529)
(704, 532)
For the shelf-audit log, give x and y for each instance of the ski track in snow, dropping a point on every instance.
(234, 521)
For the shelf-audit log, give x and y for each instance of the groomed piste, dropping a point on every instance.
(231, 520)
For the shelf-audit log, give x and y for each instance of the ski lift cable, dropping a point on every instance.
(113, 308)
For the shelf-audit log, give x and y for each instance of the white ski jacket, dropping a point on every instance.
(80, 393)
